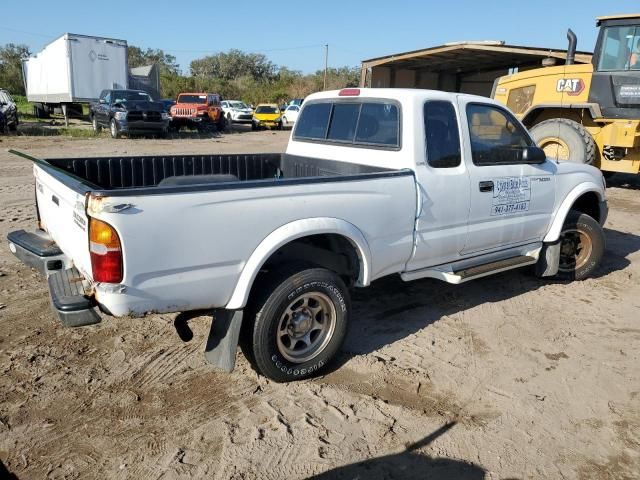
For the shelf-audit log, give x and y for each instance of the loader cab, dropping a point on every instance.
(615, 85)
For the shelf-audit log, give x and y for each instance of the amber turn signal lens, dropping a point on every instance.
(103, 234)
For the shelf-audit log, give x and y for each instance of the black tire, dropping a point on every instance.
(576, 143)
(279, 127)
(298, 290)
(97, 128)
(582, 244)
(221, 124)
(113, 128)
(254, 127)
(608, 175)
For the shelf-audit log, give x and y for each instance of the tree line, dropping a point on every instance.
(251, 77)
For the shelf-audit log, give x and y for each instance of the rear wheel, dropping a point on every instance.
(565, 140)
(581, 246)
(96, 126)
(300, 323)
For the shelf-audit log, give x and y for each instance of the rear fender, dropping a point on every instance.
(292, 231)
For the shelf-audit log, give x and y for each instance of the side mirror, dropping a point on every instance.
(533, 155)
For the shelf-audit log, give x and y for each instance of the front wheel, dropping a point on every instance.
(96, 126)
(300, 323)
(581, 246)
(113, 128)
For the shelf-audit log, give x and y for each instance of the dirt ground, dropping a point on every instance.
(502, 378)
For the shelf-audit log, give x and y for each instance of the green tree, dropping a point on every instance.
(234, 64)
(11, 56)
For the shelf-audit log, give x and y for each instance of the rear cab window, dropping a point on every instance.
(366, 123)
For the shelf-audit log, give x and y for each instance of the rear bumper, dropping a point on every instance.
(68, 290)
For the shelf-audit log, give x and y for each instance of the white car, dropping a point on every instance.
(290, 115)
(236, 111)
(374, 182)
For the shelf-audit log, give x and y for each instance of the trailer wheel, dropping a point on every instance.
(96, 126)
(301, 316)
(581, 246)
(113, 128)
(565, 140)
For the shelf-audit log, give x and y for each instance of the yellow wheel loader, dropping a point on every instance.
(588, 113)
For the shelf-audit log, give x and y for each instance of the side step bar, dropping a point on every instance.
(470, 273)
(493, 267)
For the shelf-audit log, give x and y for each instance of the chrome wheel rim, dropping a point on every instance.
(306, 327)
(95, 125)
(575, 250)
(113, 128)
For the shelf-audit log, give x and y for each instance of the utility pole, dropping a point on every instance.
(326, 63)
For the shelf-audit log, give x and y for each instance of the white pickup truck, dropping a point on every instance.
(373, 182)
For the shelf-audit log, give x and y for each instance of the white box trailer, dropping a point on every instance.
(75, 69)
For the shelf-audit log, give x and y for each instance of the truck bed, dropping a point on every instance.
(160, 174)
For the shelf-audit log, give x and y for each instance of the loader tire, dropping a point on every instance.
(565, 140)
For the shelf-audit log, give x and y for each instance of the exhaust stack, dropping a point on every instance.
(571, 52)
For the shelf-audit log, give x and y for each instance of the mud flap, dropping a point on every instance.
(222, 342)
(549, 260)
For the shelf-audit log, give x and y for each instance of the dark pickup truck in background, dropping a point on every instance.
(129, 112)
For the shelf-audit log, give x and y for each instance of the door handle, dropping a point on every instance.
(486, 186)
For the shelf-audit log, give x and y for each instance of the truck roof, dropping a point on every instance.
(399, 94)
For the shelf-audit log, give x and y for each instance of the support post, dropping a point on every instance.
(66, 114)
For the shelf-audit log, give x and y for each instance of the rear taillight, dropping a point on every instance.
(106, 252)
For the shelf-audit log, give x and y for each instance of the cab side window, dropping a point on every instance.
(496, 137)
(442, 137)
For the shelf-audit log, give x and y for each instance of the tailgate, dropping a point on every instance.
(61, 204)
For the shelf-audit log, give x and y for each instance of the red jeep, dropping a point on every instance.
(197, 110)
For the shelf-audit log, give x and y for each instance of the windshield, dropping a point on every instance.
(237, 105)
(620, 48)
(267, 109)
(124, 96)
(192, 99)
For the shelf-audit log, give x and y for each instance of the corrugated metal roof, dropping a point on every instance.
(476, 55)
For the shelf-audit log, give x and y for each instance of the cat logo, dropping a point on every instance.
(570, 86)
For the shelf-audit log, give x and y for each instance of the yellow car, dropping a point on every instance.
(267, 115)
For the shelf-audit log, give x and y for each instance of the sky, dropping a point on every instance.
(293, 33)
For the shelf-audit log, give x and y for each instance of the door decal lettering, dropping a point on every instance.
(510, 195)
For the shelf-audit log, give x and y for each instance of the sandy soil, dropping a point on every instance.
(506, 377)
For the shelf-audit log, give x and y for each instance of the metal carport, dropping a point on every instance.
(467, 67)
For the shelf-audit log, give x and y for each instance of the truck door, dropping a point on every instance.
(511, 201)
(443, 184)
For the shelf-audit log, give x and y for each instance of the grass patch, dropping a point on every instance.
(25, 109)
(42, 130)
